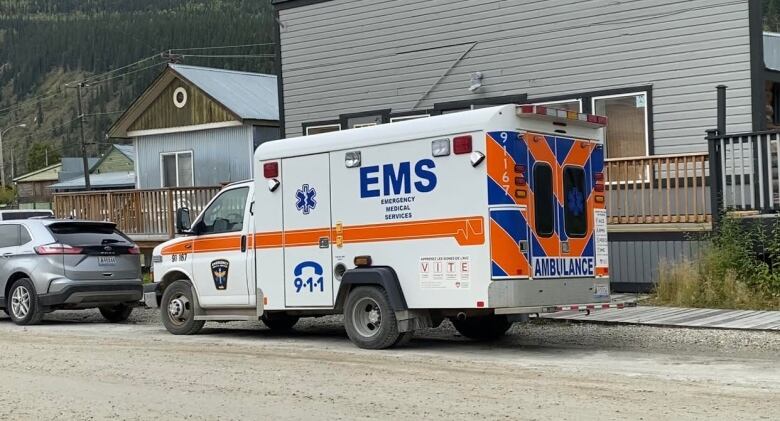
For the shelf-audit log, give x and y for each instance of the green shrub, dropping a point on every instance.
(739, 268)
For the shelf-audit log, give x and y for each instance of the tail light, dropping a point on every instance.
(58, 249)
(134, 250)
(461, 145)
(520, 179)
(599, 184)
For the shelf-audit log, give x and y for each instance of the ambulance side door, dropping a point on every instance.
(308, 272)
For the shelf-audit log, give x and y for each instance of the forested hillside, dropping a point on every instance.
(45, 44)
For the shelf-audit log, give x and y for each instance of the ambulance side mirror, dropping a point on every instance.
(183, 221)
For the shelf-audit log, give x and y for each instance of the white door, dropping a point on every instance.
(220, 250)
(307, 253)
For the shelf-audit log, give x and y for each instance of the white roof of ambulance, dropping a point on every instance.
(444, 125)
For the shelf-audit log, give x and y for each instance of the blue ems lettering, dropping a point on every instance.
(397, 179)
(563, 267)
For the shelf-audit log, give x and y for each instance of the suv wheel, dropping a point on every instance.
(22, 303)
(116, 314)
(177, 310)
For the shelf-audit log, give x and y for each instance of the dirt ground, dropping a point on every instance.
(76, 367)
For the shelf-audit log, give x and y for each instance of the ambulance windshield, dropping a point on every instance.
(575, 202)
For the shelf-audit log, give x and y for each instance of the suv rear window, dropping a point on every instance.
(544, 212)
(86, 234)
(575, 202)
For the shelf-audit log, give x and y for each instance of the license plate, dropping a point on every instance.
(106, 260)
(602, 291)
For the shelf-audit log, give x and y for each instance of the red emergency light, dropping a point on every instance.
(461, 145)
(271, 169)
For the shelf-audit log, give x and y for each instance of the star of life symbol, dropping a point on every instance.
(305, 199)
(576, 202)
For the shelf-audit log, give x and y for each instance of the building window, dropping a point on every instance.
(325, 128)
(176, 169)
(568, 105)
(627, 132)
(408, 117)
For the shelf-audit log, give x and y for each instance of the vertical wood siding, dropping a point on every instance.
(219, 155)
(346, 56)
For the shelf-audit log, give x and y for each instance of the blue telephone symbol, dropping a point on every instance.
(310, 283)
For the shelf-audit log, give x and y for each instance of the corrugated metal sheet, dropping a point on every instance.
(400, 48)
(251, 96)
(636, 258)
(219, 155)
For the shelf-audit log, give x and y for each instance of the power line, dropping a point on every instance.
(124, 74)
(220, 47)
(228, 55)
(118, 69)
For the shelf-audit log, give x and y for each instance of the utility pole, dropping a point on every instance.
(46, 154)
(84, 159)
(2, 159)
(13, 162)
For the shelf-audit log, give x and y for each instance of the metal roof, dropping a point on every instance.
(105, 180)
(251, 96)
(126, 150)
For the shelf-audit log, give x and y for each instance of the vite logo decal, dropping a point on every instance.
(219, 270)
(308, 277)
(305, 199)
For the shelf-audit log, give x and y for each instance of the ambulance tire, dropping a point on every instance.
(486, 328)
(179, 318)
(370, 320)
(279, 322)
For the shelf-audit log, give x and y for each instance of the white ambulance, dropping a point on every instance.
(482, 217)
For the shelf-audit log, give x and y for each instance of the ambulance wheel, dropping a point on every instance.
(370, 321)
(177, 310)
(485, 328)
(279, 322)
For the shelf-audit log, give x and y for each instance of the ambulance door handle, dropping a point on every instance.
(243, 243)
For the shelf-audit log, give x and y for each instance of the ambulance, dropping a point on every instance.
(481, 217)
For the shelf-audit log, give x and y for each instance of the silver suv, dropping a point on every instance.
(48, 265)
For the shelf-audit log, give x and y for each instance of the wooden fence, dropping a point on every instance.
(658, 189)
(136, 212)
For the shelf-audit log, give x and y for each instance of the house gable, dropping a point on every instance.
(114, 161)
(179, 105)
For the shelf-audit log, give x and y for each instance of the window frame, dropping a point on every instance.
(199, 223)
(176, 154)
(400, 118)
(648, 103)
(566, 198)
(552, 197)
(321, 125)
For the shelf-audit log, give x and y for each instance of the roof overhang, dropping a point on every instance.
(290, 4)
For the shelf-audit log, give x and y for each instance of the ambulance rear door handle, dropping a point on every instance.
(243, 243)
(324, 242)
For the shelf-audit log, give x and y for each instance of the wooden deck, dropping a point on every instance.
(647, 194)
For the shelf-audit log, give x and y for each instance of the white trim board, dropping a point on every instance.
(150, 132)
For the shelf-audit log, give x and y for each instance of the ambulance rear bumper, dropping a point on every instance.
(541, 294)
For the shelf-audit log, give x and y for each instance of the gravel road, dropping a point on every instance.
(74, 366)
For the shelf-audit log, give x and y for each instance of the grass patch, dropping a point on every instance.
(739, 269)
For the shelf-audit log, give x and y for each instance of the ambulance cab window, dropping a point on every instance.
(543, 199)
(575, 202)
(226, 213)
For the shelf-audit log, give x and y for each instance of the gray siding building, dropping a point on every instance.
(198, 127)
(650, 66)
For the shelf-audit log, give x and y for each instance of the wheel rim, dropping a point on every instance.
(366, 317)
(179, 309)
(20, 302)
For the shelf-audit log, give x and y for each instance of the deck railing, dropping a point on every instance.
(658, 189)
(136, 212)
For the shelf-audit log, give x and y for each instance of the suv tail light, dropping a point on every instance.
(134, 250)
(58, 249)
